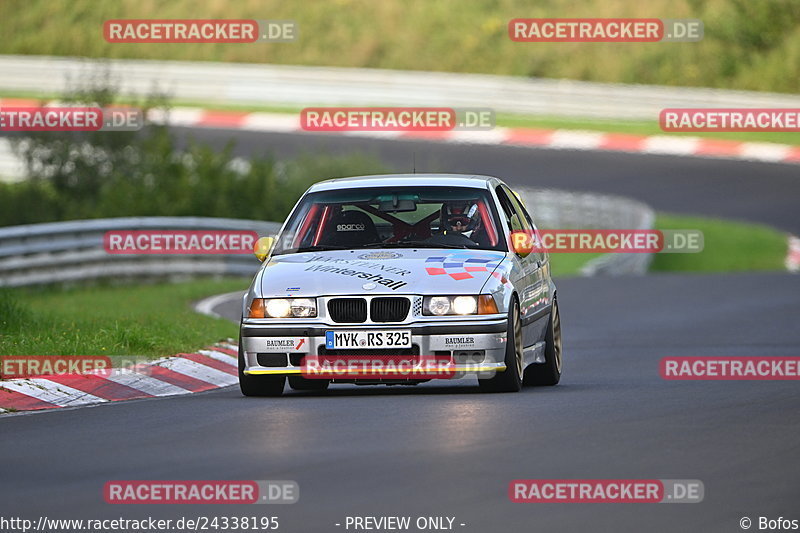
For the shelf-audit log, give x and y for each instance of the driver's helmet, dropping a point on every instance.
(461, 217)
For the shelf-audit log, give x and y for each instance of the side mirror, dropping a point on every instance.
(522, 242)
(263, 247)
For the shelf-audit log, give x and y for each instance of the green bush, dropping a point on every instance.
(113, 174)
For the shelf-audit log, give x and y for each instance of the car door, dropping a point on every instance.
(527, 280)
(540, 284)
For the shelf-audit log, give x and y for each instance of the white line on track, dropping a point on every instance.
(659, 144)
(219, 356)
(198, 371)
(147, 384)
(764, 151)
(207, 305)
(51, 392)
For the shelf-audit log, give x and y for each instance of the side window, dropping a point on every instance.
(519, 218)
(527, 221)
(505, 204)
(520, 208)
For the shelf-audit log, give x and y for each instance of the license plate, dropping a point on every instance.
(354, 340)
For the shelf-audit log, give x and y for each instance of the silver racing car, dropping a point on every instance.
(399, 280)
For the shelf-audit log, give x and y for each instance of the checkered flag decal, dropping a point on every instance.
(459, 266)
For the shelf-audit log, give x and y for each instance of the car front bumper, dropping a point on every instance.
(475, 347)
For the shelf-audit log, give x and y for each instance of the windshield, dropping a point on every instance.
(397, 217)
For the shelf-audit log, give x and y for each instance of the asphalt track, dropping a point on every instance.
(447, 450)
(740, 190)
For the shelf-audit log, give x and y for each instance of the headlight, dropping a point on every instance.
(283, 308)
(438, 305)
(303, 307)
(278, 307)
(465, 305)
(457, 305)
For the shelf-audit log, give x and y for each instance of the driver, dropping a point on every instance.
(460, 217)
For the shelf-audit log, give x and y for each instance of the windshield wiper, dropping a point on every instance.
(413, 244)
(320, 248)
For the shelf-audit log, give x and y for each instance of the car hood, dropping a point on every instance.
(389, 271)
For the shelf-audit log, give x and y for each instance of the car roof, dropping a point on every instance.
(407, 180)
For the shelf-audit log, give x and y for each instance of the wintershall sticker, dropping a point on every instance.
(363, 262)
(730, 368)
(606, 491)
(199, 31)
(369, 276)
(179, 242)
(41, 118)
(26, 366)
(201, 492)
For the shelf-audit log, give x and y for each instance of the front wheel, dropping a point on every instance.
(549, 372)
(258, 385)
(511, 379)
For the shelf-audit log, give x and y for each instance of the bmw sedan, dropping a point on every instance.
(399, 280)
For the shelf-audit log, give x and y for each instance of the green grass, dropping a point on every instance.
(728, 246)
(747, 44)
(142, 320)
(566, 265)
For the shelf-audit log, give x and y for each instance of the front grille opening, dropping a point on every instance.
(469, 356)
(271, 359)
(389, 309)
(414, 350)
(348, 310)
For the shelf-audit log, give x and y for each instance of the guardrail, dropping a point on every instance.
(576, 210)
(65, 252)
(264, 84)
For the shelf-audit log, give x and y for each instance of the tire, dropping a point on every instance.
(549, 372)
(511, 379)
(258, 385)
(301, 383)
